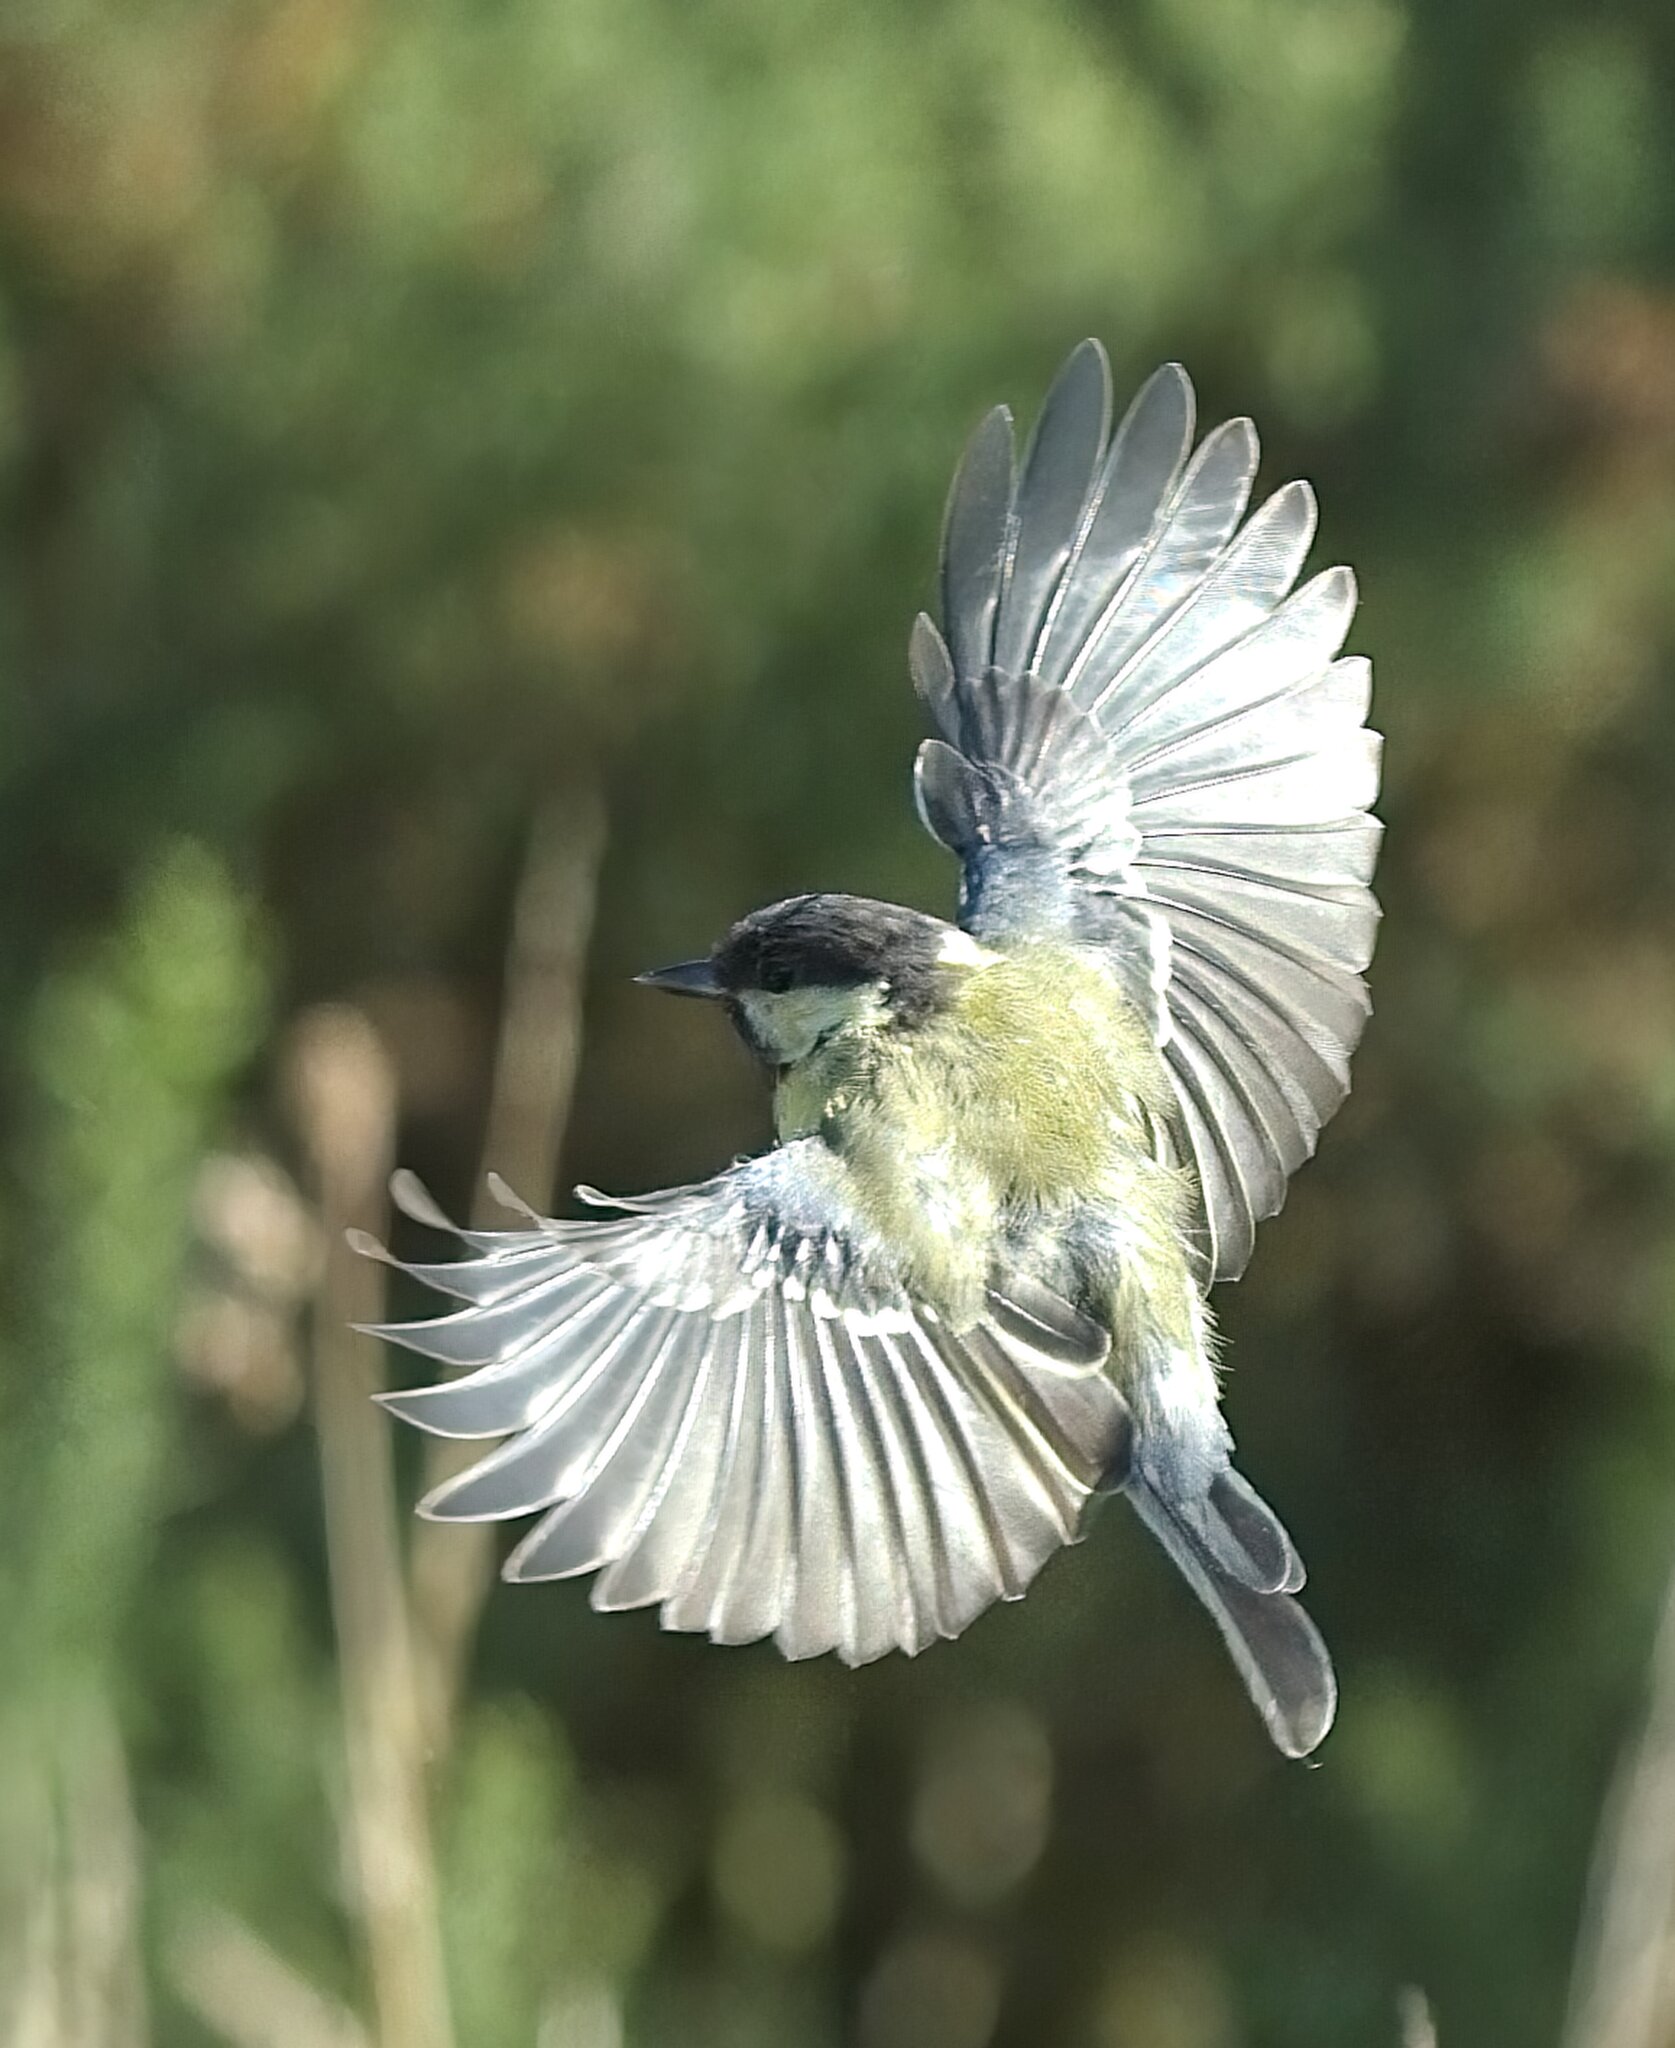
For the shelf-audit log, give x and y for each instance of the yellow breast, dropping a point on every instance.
(1032, 1088)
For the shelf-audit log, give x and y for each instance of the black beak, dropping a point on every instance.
(687, 978)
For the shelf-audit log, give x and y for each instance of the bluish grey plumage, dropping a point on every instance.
(851, 1392)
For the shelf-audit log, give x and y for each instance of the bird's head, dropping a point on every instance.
(796, 974)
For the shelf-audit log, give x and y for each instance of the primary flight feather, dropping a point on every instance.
(851, 1392)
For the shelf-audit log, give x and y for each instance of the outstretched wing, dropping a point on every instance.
(1149, 747)
(720, 1399)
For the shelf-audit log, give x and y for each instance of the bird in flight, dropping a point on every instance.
(849, 1393)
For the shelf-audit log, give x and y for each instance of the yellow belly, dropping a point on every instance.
(1034, 1090)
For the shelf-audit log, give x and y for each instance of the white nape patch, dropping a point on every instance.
(960, 949)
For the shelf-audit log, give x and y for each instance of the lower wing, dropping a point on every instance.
(722, 1401)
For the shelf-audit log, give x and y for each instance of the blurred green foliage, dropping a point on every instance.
(409, 415)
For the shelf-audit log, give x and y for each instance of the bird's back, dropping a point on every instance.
(1056, 1069)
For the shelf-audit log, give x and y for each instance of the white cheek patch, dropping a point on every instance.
(791, 1025)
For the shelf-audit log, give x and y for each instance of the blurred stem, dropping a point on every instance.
(237, 1985)
(1623, 1986)
(344, 1091)
(541, 1014)
(1413, 2016)
(70, 1973)
(534, 1080)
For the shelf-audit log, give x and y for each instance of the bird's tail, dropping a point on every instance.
(1233, 1551)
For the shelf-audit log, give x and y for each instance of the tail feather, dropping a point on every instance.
(1215, 1507)
(1278, 1651)
(1263, 1556)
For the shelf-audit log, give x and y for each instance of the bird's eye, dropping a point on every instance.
(775, 980)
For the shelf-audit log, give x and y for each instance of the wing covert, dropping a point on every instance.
(721, 1401)
(1150, 745)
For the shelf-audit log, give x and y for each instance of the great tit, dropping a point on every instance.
(850, 1392)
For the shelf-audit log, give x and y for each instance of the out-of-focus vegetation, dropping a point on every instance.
(425, 426)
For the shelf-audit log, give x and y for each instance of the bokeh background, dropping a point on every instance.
(467, 468)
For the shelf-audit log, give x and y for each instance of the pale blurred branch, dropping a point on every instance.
(1414, 2017)
(344, 1092)
(541, 1012)
(534, 1079)
(70, 1972)
(1623, 1985)
(239, 1987)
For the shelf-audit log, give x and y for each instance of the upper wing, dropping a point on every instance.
(1150, 748)
(726, 1404)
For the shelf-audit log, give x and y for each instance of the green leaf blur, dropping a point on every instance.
(416, 420)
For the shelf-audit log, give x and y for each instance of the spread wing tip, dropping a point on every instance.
(1214, 815)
